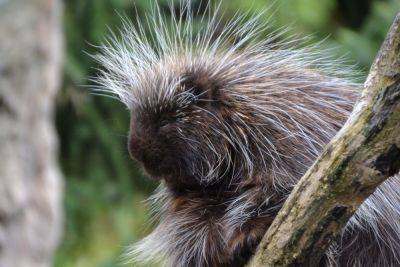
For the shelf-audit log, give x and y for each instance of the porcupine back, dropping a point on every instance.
(229, 119)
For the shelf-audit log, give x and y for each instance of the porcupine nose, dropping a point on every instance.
(144, 147)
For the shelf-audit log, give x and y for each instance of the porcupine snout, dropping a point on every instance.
(152, 143)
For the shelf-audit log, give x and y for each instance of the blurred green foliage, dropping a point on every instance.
(104, 188)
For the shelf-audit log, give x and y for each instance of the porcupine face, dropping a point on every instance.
(180, 140)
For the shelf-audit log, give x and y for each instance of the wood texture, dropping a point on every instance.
(361, 156)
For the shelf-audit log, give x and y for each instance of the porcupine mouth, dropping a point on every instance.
(160, 168)
(173, 174)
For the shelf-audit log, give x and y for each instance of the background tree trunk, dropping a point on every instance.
(30, 180)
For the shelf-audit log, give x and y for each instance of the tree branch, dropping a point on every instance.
(360, 157)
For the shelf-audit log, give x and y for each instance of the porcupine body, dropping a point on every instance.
(228, 123)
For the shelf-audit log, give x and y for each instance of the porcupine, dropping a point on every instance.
(228, 121)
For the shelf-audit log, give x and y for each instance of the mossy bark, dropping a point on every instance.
(360, 157)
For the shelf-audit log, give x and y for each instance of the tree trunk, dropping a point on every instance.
(30, 180)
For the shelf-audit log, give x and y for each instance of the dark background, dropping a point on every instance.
(105, 190)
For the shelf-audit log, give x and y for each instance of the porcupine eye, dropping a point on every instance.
(206, 92)
(166, 119)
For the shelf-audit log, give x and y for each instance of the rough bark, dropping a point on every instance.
(30, 181)
(361, 156)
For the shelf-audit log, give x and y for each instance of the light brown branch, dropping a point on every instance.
(361, 156)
